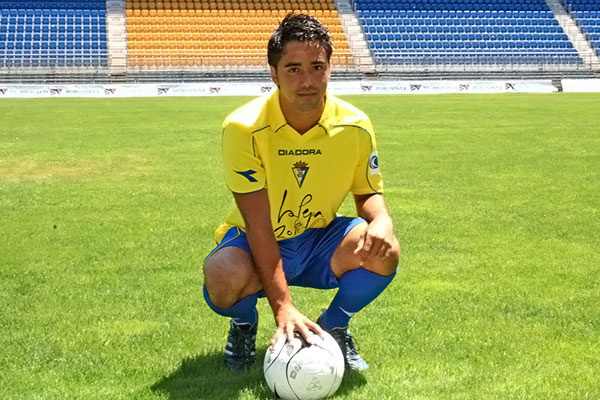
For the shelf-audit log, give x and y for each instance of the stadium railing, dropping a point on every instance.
(208, 62)
(479, 62)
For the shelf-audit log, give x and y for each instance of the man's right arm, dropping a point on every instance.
(255, 210)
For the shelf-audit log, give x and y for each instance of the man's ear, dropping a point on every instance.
(274, 75)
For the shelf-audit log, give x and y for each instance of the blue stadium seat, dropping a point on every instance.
(495, 28)
(38, 29)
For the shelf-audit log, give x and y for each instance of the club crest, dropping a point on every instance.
(300, 170)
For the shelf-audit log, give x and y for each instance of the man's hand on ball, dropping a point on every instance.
(290, 320)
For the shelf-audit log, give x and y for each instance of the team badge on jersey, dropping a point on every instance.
(300, 170)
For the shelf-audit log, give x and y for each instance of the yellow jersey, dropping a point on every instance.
(306, 176)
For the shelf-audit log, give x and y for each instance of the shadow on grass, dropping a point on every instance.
(205, 377)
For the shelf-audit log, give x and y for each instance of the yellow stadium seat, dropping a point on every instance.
(230, 32)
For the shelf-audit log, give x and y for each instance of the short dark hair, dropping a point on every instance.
(300, 28)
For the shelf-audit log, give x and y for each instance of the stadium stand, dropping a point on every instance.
(130, 40)
(429, 32)
(586, 14)
(185, 33)
(53, 33)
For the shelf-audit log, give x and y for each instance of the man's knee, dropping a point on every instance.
(345, 258)
(386, 264)
(394, 253)
(229, 276)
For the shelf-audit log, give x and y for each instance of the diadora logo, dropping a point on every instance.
(300, 170)
(162, 90)
(248, 175)
(3, 91)
(109, 91)
(55, 92)
(214, 90)
(298, 152)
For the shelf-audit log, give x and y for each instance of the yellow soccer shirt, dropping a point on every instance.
(306, 176)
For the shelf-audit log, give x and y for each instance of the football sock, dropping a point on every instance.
(242, 312)
(358, 288)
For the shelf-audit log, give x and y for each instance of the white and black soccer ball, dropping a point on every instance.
(297, 370)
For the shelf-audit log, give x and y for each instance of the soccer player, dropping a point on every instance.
(290, 159)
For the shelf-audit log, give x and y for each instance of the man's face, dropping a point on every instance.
(302, 74)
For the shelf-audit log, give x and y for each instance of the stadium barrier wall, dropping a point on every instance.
(581, 85)
(261, 88)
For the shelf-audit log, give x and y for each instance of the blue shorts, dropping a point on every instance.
(307, 257)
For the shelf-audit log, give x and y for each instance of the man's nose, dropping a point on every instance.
(305, 78)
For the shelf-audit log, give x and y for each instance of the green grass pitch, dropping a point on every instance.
(108, 207)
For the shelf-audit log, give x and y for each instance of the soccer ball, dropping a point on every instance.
(297, 370)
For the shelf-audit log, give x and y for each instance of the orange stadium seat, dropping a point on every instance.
(190, 33)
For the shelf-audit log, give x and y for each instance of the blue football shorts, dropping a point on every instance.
(306, 258)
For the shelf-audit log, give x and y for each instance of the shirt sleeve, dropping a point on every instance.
(367, 176)
(244, 170)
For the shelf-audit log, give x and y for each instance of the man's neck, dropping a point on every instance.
(302, 122)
